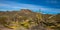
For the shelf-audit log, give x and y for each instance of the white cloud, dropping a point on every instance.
(19, 6)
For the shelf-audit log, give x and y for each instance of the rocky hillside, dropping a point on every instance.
(28, 20)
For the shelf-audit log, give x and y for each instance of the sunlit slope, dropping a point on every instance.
(29, 20)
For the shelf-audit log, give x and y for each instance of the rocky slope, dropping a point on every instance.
(28, 20)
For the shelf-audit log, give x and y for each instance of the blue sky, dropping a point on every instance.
(46, 6)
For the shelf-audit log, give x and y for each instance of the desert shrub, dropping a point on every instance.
(3, 20)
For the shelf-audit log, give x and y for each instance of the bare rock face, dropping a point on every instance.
(25, 11)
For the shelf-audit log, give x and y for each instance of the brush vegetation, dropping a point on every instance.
(29, 20)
